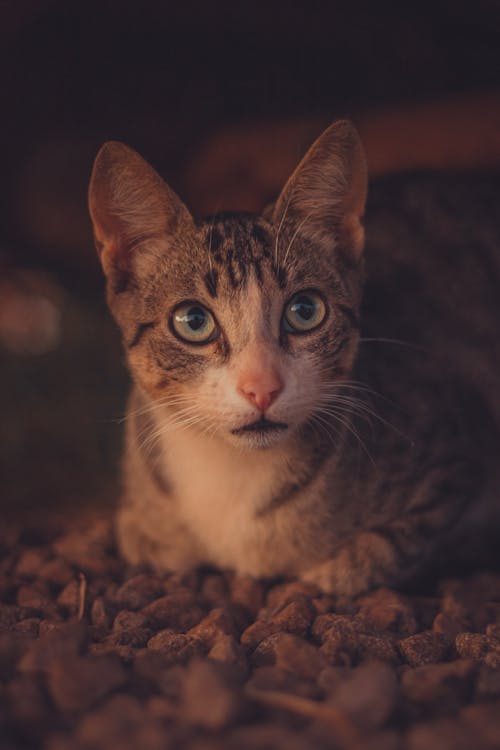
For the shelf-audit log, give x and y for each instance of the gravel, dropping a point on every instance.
(97, 655)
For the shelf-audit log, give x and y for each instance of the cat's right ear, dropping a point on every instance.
(325, 196)
(130, 206)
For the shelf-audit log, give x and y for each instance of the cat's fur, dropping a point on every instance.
(385, 402)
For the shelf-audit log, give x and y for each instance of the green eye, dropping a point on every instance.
(194, 323)
(305, 311)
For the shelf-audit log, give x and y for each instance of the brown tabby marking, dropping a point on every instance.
(311, 430)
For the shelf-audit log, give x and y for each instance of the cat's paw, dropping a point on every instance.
(337, 577)
(367, 561)
(139, 547)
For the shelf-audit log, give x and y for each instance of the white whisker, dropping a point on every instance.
(345, 422)
(299, 227)
(279, 228)
(397, 342)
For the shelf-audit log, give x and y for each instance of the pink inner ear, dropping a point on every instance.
(327, 192)
(130, 203)
(260, 386)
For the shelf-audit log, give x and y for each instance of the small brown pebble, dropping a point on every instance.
(34, 598)
(87, 548)
(271, 736)
(208, 699)
(282, 595)
(471, 645)
(296, 617)
(227, 650)
(248, 592)
(492, 658)
(488, 682)
(324, 603)
(178, 611)
(482, 720)
(443, 686)
(138, 591)
(384, 740)
(56, 571)
(154, 671)
(28, 705)
(464, 601)
(160, 707)
(122, 724)
(110, 723)
(9, 535)
(424, 648)
(12, 646)
(8, 585)
(276, 678)
(342, 625)
(66, 640)
(426, 610)
(126, 620)
(69, 597)
(485, 585)
(59, 741)
(215, 590)
(9, 615)
(126, 654)
(368, 695)
(76, 683)
(219, 621)
(456, 606)
(290, 652)
(99, 614)
(385, 609)
(109, 594)
(187, 580)
(447, 625)
(380, 647)
(330, 678)
(134, 637)
(176, 648)
(493, 633)
(49, 626)
(30, 626)
(256, 632)
(340, 649)
(30, 562)
(444, 734)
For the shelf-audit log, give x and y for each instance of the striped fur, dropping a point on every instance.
(388, 410)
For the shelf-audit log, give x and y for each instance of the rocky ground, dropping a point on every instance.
(94, 654)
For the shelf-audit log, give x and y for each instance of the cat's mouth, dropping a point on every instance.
(262, 426)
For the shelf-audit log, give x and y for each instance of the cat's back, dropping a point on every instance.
(433, 277)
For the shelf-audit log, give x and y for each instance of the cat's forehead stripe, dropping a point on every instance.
(237, 243)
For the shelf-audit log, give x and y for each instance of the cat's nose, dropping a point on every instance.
(261, 390)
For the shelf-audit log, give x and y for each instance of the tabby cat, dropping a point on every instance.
(287, 418)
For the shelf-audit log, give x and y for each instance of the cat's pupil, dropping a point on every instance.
(304, 308)
(196, 318)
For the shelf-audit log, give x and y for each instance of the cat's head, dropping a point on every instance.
(240, 325)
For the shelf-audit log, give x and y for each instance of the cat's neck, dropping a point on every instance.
(195, 462)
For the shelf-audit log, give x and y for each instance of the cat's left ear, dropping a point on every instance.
(131, 208)
(325, 196)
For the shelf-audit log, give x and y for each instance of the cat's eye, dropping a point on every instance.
(193, 323)
(304, 312)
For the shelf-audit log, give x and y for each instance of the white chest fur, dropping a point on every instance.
(219, 491)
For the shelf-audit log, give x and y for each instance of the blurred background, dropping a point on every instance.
(223, 98)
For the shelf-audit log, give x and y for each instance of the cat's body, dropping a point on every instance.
(381, 417)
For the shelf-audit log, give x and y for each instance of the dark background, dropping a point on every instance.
(162, 76)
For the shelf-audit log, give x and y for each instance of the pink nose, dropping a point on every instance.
(261, 390)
